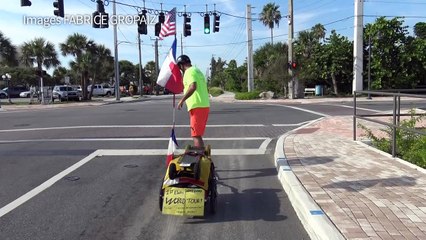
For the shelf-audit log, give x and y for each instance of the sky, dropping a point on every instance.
(229, 43)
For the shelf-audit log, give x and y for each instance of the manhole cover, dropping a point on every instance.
(131, 166)
(72, 178)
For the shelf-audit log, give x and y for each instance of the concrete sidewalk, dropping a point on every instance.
(342, 188)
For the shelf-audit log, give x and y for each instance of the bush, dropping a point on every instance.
(215, 91)
(247, 95)
(409, 146)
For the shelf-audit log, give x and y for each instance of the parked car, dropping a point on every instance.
(101, 89)
(27, 94)
(3, 94)
(64, 92)
(15, 91)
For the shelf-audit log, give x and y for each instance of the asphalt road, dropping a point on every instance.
(94, 172)
(52, 186)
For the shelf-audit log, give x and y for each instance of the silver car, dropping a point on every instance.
(64, 92)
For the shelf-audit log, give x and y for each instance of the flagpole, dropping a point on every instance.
(174, 103)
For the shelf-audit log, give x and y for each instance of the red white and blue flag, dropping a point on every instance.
(170, 76)
(173, 145)
(168, 28)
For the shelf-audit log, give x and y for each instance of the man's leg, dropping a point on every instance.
(198, 141)
(198, 121)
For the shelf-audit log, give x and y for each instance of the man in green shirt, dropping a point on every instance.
(196, 97)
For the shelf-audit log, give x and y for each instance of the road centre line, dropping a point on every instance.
(112, 152)
(128, 126)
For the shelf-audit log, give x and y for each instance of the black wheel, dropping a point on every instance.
(160, 199)
(108, 94)
(212, 190)
(172, 171)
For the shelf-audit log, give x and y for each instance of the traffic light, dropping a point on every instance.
(161, 17)
(292, 65)
(25, 3)
(59, 5)
(142, 26)
(216, 22)
(206, 23)
(186, 25)
(157, 29)
(100, 18)
(40, 73)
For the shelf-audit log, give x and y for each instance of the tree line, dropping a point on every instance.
(398, 60)
(92, 63)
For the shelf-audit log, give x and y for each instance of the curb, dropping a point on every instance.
(314, 220)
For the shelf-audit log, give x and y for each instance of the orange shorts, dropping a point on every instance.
(198, 120)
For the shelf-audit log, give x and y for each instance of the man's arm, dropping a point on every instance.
(188, 94)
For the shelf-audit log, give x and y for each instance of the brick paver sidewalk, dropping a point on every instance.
(366, 194)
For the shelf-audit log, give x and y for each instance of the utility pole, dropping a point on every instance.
(116, 66)
(358, 46)
(181, 44)
(291, 83)
(140, 65)
(156, 65)
(250, 83)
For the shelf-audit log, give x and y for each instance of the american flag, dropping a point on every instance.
(168, 28)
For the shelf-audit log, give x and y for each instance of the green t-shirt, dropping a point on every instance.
(200, 97)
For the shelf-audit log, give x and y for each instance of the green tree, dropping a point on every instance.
(336, 61)
(7, 51)
(78, 46)
(127, 72)
(270, 16)
(218, 78)
(388, 38)
(102, 64)
(420, 30)
(150, 73)
(39, 52)
(270, 67)
(59, 74)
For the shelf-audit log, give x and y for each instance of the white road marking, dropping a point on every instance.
(291, 124)
(117, 152)
(154, 152)
(358, 108)
(128, 126)
(21, 200)
(127, 139)
(301, 109)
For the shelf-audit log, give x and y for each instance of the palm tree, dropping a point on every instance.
(270, 16)
(318, 31)
(101, 62)
(41, 53)
(77, 45)
(7, 51)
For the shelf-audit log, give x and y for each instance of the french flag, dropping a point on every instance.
(172, 147)
(170, 76)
